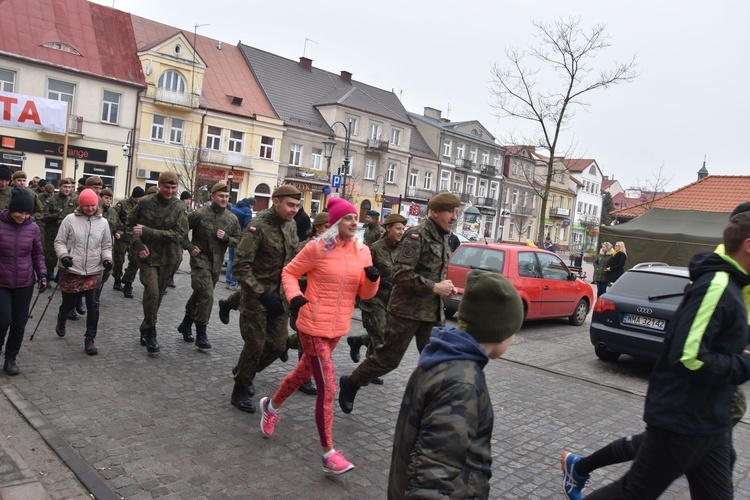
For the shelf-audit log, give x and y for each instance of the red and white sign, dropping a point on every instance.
(35, 113)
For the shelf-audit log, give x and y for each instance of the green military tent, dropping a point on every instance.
(671, 236)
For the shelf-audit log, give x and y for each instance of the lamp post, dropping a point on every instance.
(230, 178)
(376, 186)
(502, 210)
(328, 146)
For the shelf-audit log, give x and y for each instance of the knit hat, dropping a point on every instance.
(185, 195)
(49, 188)
(82, 181)
(490, 307)
(251, 201)
(87, 198)
(20, 201)
(337, 208)
(41, 183)
(744, 207)
(138, 192)
(5, 173)
(320, 219)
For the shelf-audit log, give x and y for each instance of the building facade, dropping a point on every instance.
(586, 179)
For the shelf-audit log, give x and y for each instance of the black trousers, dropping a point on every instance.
(92, 308)
(14, 313)
(664, 456)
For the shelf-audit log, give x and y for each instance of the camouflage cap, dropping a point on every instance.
(287, 190)
(94, 180)
(220, 186)
(19, 175)
(167, 178)
(106, 192)
(394, 218)
(320, 219)
(444, 201)
(49, 188)
(67, 180)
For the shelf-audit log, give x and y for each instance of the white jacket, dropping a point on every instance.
(86, 240)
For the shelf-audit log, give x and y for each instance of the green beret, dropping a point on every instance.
(287, 190)
(490, 307)
(106, 192)
(320, 219)
(167, 178)
(444, 201)
(373, 213)
(219, 186)
(394, 218)
(19, 175)
(152, 190)
(94, 181)
(67, 180)
(49, 188)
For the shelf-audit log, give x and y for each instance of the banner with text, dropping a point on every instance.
(30, 112)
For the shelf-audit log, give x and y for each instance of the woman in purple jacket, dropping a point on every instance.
(20, 257)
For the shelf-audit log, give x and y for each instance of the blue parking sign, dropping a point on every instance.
(336, 181)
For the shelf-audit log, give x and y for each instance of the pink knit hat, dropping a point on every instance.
(87, 198)
(337, 208)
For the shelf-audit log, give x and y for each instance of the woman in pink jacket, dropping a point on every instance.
(338, 267)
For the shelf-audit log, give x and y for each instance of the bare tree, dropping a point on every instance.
(548, 95)
(654, 187)
(522, 220)
(185, 165)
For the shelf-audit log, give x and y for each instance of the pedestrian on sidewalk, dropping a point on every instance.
(441, 447)
(84, 247)
(21, 266)
(601, 263)
(338, 268)
(616, 266)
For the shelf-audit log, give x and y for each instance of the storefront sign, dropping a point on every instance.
(487, 211)
(34, 113)
(211, 175)
(52, 149)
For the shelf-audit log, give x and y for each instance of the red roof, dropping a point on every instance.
(227, 74)
(606, 183)
(577, 165)
(103, 36)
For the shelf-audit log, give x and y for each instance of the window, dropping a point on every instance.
(514, 168)
(157, 128)
(592, 170)
(511, 229)
(374, 131)
(482, 188)
(413, 179)
(485, 157)
(353, 126)
(266, 147)
(316, 161)
(505, 196)
(295, 154)
(110, 107)
(370, 166)
(176, 131)
(236, 138)
(473, 155)
(471, 185)
(498, 160)
(459, 151)
(172, 81)
(458, 183)
(213, 138)
(7, 80)
(552, 267)
(445, 180)
(61, 91)
(515, 197)
(493, 190)
(427, 181)
(395, 137)
(447, 146)
(525, 198)
(53, 170)
(390, 176)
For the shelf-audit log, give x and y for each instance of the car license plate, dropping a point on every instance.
(653, 323)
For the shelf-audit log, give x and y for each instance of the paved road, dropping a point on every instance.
(162, 425)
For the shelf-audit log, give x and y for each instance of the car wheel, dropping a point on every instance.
(579, 315)
(606, 355)
(449, 313)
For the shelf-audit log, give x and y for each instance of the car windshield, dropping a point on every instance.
(479, 258)
(662, 287)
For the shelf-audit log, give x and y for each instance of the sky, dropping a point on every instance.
(688, 102)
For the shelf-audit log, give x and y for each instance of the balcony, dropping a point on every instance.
(377, 145)
(559, 212)
(464, 163)
(75, 125)
(468, 198)
(174, 98)
(230, 159)
(487, 169)
(486, 201)
(589, 220)
(307, 174)
(422, 194)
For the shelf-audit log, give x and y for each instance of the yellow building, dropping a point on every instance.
(560, 201)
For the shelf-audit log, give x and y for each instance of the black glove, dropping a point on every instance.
(298, 302)
(385, 284)
(42, 284)
(67, 262)
(372, 273)
(274, 306)
(107, 265)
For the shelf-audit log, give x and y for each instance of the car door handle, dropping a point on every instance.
(545, 288)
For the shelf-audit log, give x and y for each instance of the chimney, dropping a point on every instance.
(346, 76)
(305, 63)
(432, 113)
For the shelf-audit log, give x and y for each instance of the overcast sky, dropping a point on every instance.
(690, 99)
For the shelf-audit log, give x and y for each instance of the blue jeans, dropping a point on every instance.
(230, 280)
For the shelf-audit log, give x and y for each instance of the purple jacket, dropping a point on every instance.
(20, 252)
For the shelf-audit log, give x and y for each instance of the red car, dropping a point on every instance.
(546, 285)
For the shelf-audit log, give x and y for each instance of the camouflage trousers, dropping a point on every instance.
(154, 280)
(234, 300)
(398, 334)
(374, 322)
(199, 305)
(119, 249)
(265, 340)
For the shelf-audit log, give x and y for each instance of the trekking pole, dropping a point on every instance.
(44, 312)
(31, 310)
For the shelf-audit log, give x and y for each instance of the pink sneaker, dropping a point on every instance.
(336, 464)
(268, 420)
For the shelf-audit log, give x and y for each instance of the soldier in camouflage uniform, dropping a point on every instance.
(122, 246)
(373, 231)
(110, 214)
(19, 181)
(420, 266)
(374, 309)
(157, 225)
(442, 443)
(63, 203)
(267, 246)
(44, 198)
(214, 228)
(5, 189)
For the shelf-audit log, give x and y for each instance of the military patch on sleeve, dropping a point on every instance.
(119, 205)
(252, 229)
(410, 251)
(414, 236)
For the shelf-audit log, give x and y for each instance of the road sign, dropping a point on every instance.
(336, 181)
(326, 189)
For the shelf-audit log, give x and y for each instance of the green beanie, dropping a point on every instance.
(490, 307)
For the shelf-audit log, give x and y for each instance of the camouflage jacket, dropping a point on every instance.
(373, 235)
(5, 195)
(268, 244)
(111, 216)
(123, 208)
(441, 448)
(38, 205)
(382, 252)
(205, 222)
(420, 261)
(165, 226)
(57, 209)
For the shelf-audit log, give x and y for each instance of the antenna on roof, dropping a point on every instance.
(304, 48)
(448, 111)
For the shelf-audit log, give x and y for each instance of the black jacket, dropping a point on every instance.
(691, 386)
(617, 266)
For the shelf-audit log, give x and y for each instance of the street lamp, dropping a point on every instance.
(328, 146)
(230, 178)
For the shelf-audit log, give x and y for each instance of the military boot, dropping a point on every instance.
(118, 285)
(224, 309)
(151, 344)
(355, 343)
(250, 388)
(186, 329)
(60, 326)
(347, 393)
(143, 336)
(241, 400)
(308, 388)
(171, 282)
(127, 289)
(201, 337)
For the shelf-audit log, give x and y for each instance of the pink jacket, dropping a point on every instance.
(334, 279)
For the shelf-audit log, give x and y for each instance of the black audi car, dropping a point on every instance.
(632, 317)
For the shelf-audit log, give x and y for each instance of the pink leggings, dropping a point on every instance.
(316, 361)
